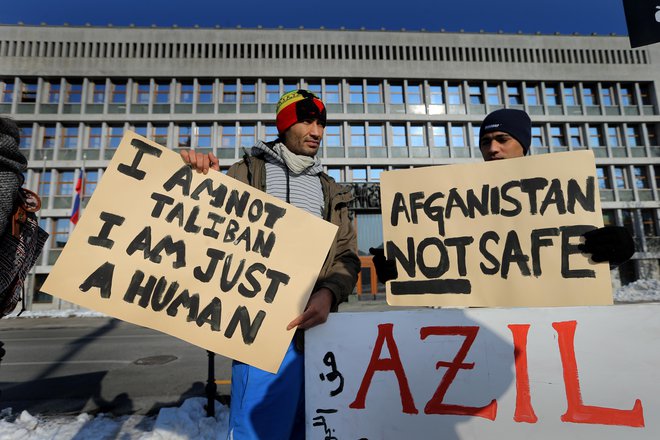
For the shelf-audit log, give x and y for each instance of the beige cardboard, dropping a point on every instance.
(301, 245)
(549, 288)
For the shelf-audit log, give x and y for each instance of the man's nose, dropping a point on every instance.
(316, 129)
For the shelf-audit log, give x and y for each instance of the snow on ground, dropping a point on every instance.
(189, 421)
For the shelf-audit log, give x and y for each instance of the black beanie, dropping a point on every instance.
(514, 122)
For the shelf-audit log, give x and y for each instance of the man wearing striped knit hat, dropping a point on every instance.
(266, 405)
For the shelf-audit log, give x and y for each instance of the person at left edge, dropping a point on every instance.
(265, 405)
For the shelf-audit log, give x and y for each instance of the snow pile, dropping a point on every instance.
(638, 291)
(189, 421)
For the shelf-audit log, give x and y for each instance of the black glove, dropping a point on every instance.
(611, 243)
(385, 269)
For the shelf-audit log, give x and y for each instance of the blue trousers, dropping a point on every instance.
(266, 405)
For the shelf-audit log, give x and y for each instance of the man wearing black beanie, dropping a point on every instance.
(507, 134)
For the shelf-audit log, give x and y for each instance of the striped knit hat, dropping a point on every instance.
(297, 106)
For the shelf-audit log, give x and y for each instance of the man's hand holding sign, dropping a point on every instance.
(199, 256)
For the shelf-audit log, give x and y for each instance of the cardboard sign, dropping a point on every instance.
(558, 373)
(204, 258)
(502, 233)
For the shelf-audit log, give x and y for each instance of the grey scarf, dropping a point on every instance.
(12, 165)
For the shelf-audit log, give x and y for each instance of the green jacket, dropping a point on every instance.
(342, 265)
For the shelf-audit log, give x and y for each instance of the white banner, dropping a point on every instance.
(541, 373)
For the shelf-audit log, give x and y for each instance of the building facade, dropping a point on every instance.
(395, 100)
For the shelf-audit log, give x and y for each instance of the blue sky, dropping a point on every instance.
(510, 16)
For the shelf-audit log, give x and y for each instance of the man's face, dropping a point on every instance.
(304, 138)
(500, 145)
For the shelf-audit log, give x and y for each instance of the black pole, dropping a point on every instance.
(211, 387)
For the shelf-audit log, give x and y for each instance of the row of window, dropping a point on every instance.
(207, 91)
(311, 51)
(336, 136)
(61, 183)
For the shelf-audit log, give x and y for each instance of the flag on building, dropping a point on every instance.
(75, 212)
(643, 20)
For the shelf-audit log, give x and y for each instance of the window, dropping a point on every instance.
(417, 138)
(162, 92)
(514, 95)
(575, 136)
(439, 135)
(335, 173)
(357, 135)
(537, 137)
(140, 129)
(414, 92)
(454, 95)
(248, 93)
(399, 136)
(28, 92)
(607, 95)
(458, 136)
(436, 95)
(641, 178)
(59, 233)
(227, 136)
(359, 174)
(476, 96)
(247, 135)
(203, 136)
(375, 136)
(95, 136)
(73, 92)
(626, 94)
(98, 93)
(609, 217)
(613, 136)
(332, 136)
(205, 92)
(628, 217)
(186, 93)
(332, 94)
(183, 136)
(589, 96)
(229, 93)
(551, 95)
(64, 183)
(621, 178)
(603, 178)
(532, 95)
(374, 174)
(570, 95)
(493, 95)
(355, 95)
(595, 136)
(374, 94)
(7, 95)
(118, 93)
(69, 137)
(632, 136)
(51, 93)
(159, 134)
(91, 180)
(315, 88)
(475, 135)
(648, 222)
(556, 136)
(396, 94)
(290, 86)
(270, 132)
(645, 95)
(44, 183)
(48, 136)
(272, 94)
(26, 136)
(142, 91)
(115, 134)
